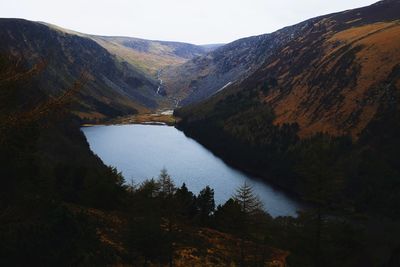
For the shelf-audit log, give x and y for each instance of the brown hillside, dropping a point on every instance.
(349, 103)
(198, 247)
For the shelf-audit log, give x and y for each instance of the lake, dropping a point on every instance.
(141, 151)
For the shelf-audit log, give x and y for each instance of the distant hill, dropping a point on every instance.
(211, 47)
(149, 56)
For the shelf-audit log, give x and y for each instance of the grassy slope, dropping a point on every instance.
(374, 49)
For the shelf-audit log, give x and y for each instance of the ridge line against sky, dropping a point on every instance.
(197, 22)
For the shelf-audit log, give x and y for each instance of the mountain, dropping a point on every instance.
(331, 74)
(322, 101)
(112, 88)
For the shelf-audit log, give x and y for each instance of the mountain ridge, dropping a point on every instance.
(148, 55)
(288, 57)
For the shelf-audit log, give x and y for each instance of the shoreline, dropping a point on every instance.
(162, 117)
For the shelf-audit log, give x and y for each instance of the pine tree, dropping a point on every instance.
(250, 205)
(205, 204)
(167, 186)
(169, 209)
(186, 203)
(248, 201)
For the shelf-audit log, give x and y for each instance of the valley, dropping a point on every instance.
(279, 149)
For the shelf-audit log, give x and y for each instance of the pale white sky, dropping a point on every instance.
(199, 22)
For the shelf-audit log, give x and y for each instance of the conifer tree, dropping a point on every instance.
(167, 186)
(248, 201)
(250, 205)
(169, 209)
(205, 204)
(186, 203)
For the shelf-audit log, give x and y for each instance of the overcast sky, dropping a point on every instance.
(199, 22)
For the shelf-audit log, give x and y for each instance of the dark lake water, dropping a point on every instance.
(141, 151)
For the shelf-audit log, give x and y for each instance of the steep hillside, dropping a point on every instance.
(331, 74)
(335, 80)
(201, 77)
(112, 88)
(324, 104)
(229, 64)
